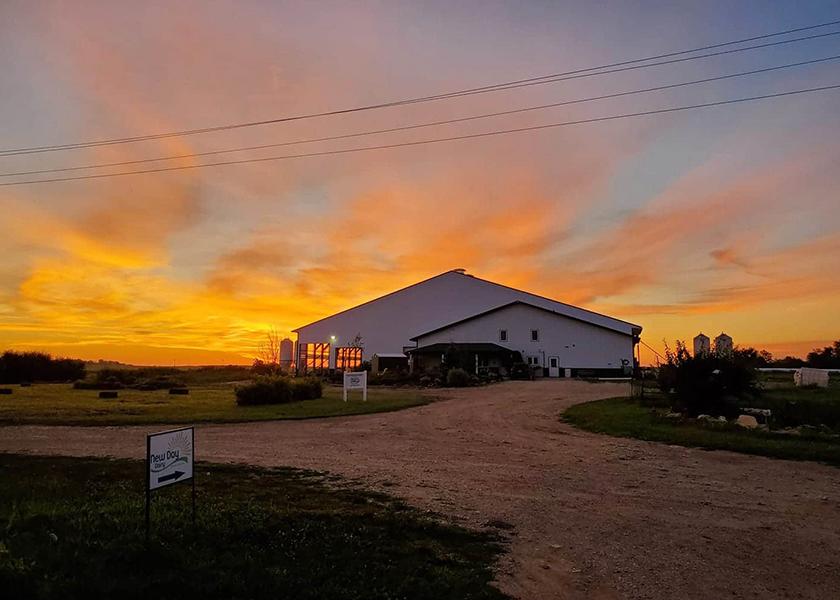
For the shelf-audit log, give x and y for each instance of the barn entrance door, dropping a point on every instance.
(553, 366)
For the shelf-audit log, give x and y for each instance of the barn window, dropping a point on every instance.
(503, 335)
(535, 335)
(347, 359)
(314, 357)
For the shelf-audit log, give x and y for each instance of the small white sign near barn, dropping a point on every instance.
(355, 381)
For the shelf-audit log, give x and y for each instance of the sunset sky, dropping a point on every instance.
(721, 219)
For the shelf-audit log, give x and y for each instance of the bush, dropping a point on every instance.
(265, 390)
(150, 385)
(394, 377)
(706, 384)
(98, 385)
(278, 390)
(520, 370)
(306, 388)
(458, 378)
(124, 376)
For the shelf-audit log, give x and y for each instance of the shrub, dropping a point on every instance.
(458, 378)
(707, 384)
(279, 390)
(520, 370)
(427, 381)
(306, 388)
(394, 377)
(265, 390)
(98, 385)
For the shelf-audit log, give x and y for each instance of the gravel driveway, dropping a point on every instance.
(592, 516)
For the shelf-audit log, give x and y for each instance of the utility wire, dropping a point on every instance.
(658, 356)
(540, 80)
(434, 140)
(422, 125)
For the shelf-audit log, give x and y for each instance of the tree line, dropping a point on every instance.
(21, 367)
(819, 358)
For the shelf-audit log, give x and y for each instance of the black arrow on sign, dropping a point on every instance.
(170, 477)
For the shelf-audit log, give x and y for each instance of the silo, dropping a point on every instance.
(286, 353)
(702, 345)
(723, 345)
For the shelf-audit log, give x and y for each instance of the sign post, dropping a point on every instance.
(170, 456)
(355, 381)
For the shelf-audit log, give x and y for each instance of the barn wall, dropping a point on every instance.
(388, 323)
(578, 345)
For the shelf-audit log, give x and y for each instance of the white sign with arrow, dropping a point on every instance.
(169, 457)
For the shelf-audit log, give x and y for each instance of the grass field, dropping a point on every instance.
(60, 404)
(626, 418)
(73, 528)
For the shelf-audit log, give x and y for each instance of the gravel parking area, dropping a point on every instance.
(588, 516)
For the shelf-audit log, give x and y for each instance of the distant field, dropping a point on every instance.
(60, 404)
(772, 379)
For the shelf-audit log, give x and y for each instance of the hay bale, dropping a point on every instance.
(108, 394)
(179, 391)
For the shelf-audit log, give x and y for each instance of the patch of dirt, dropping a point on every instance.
(587, 516)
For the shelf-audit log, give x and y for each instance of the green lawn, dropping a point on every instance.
(60, 404)
(73, 528)
(626, 418)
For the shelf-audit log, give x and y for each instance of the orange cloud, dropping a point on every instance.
(200, 263)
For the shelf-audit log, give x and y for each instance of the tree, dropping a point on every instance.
(751, 357)
(268, 353)
(16, 367)
(788, 362)
(710, 384)
(825, 358)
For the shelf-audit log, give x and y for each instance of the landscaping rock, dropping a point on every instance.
(673, 415)
(747, 422)
(762, 415)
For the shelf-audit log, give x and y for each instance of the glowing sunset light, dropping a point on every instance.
(726, 219)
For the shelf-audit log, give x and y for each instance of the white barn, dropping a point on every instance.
(457, 308)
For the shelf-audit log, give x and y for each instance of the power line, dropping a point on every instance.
(434, 140)
(659, 356)
(540, 80)
(422, 125)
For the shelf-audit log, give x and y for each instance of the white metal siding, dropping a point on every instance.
(578, 345)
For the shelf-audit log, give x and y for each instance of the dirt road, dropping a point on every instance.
(592, 516)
